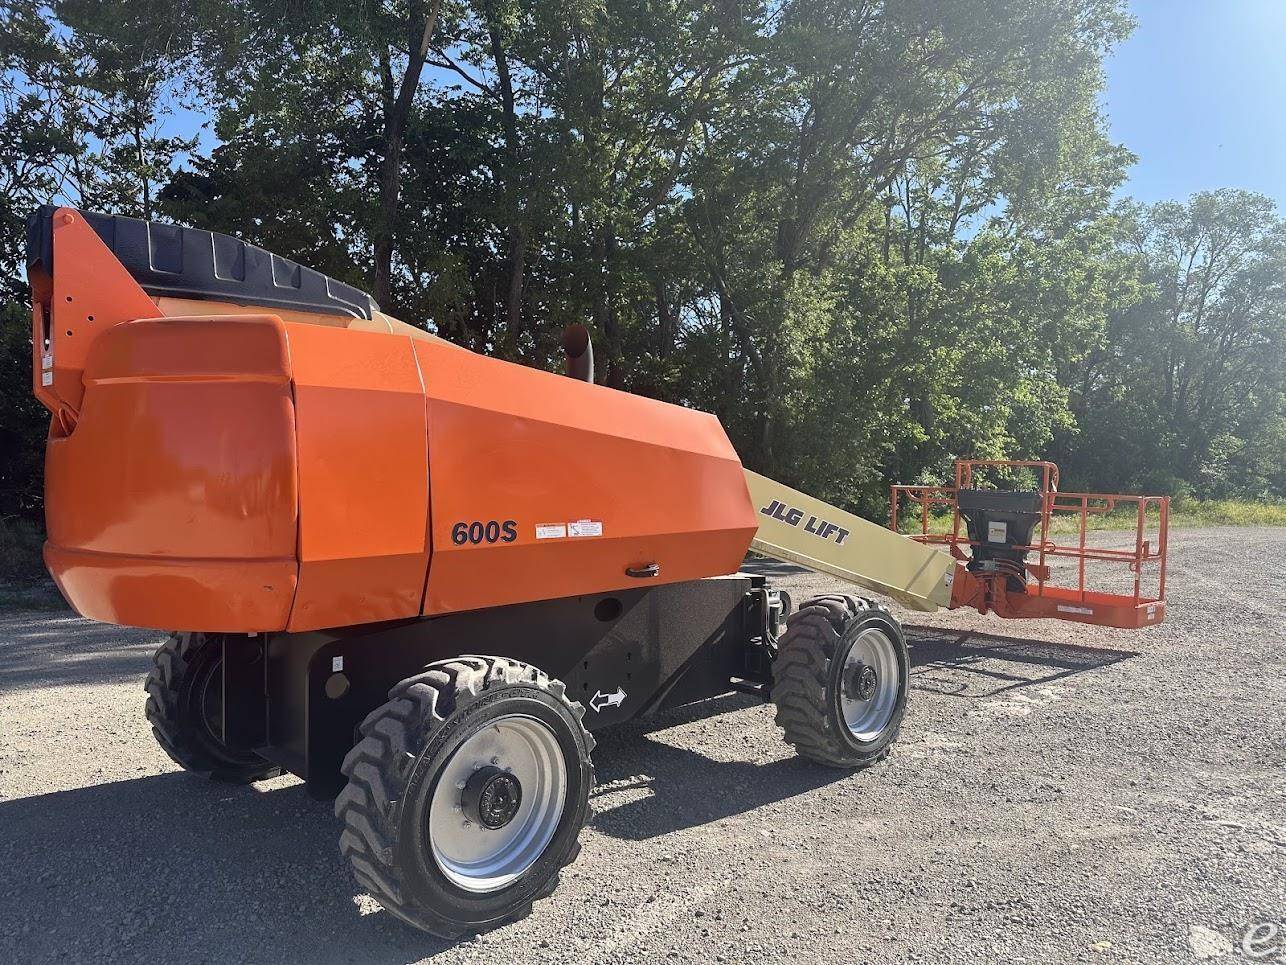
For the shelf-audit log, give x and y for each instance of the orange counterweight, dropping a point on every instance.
(174, 501)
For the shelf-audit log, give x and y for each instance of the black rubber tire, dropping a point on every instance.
(184, 670)
(806, 680)
(393, 770)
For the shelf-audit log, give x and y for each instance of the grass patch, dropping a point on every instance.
(1227, 512)
(1185, 514)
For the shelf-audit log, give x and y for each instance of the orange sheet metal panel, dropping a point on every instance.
(172, 503)
(523, 461)
(1054, 603)
(363, 477)
(1097, 609)
(85, 302)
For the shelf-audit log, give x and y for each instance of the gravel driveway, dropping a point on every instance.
(1059, 794)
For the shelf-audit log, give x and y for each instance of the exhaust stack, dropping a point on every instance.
(578, 352)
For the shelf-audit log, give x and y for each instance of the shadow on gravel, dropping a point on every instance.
(686, 788)
(61, 649)
(974, 665)
(173, 868)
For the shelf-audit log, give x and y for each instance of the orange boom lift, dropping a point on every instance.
(418, 577)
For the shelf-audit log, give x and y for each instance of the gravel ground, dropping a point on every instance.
(1059, 794)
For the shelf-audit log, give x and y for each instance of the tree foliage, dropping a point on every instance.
(870, 237)
(1184, 391)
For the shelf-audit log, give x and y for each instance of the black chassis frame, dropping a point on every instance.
(297, 698)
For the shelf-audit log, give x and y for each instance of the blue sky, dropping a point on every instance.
(1198, 92)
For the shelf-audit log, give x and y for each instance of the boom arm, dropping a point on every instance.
(988, 568)
(798, 528)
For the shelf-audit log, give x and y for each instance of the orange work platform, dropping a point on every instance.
(1048, 577)
(270, 470)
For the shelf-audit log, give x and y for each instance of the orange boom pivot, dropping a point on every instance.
(252, 472)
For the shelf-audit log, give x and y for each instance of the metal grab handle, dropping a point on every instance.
(643, 572)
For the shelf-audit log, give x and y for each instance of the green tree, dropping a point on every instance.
(1186, 386)
(905, 125)
(76, 126)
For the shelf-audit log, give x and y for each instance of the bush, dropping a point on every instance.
(21, 561)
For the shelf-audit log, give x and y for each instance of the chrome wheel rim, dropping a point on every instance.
(521, 751)
(869, 685)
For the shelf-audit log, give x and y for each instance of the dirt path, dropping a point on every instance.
(1059, 794)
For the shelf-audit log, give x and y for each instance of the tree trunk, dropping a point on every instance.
(516, 248)
(761, 365)
(665, 321)
(396, 114)
(604, 309)
(142, 170)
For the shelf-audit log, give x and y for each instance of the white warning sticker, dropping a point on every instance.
(46, 361)
(997, 533)
(1082, 610)
(46, 378)
(585, 527)
(550, 531)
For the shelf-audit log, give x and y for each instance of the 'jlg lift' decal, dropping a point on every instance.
(793, 517)
(798, 528)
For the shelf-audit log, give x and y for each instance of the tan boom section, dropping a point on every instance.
(797, 528)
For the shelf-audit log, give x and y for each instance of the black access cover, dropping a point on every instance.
(168, 259)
